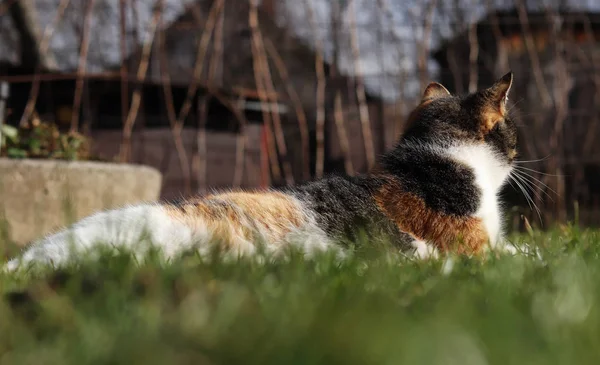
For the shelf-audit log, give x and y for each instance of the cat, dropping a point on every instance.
(435, 192)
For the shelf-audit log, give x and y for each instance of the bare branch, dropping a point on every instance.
(342, 135)
(320, 96)
(83, 52)
(295, 98)
(264, 83)
(425, 44)
(209, 27)
(473, 56)
(137, 96)
(123, 68)
(44, 44)
(171, 114)
(360, 90)
(533, 56)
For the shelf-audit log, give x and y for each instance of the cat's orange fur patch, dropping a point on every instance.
(236, 216)
(490, 118)
(463, 235)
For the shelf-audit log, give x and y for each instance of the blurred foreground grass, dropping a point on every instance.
(374, 309)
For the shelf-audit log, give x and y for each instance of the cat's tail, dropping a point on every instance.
(131, 228)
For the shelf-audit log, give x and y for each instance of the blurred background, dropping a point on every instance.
(220, 94)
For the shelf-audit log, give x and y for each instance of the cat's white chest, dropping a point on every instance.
(490, 175)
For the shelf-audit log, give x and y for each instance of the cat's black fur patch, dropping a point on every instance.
(345, 206)
(444, 185)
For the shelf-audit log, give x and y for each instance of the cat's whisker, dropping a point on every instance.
(531, 185)
(533, 182)
(515, 104)
(536, 171)
(531, 177)
(528, 198)
(532, 161)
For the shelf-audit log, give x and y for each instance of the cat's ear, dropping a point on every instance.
(433, 91)
(499, 93)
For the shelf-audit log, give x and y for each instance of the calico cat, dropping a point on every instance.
(435, 192)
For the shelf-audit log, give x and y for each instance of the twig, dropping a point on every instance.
(561, 104)
(241, 140)
(171, 115)
(264, 84)
(270, 88)
(213, 80)
(201, 146)
(123, 68)
(473, 55)
(5, 6)
(137, 95)
(320, 96)
(295, 99)
(425, 44)
(591, 132)
(343, 137)
(216, 60)
(4, 92)
(360, 90)
(533, 56)
(44, 44)
(83, 52)
(399, 105)
(209, 27)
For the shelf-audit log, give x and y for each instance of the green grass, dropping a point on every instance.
(374, 309)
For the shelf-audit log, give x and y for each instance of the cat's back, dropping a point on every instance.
(237, 220)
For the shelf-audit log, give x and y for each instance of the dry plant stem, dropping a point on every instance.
(171, 114)
(473, 56)
(201, 158)
(4, 92)
(137, 95)
(399, 107)
(5, 6)
(259, 70)
(82, 65)
(591, 135)
(360, 90)
(561, 104)
(241, 139)
(215, 79)
(260, 57)
(343, 137)
(495, 24)
(123, 68)
(209, 27)
(295, 99)
(201, 141)
(425, 44)
(44, 44)
(320, 96)
(533, 56)
(240, 158)
(216, 61)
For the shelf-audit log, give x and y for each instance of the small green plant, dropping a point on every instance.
(43, 140)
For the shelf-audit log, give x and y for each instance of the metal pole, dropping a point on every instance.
(3, 98)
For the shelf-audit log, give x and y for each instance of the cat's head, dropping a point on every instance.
(444, 120)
